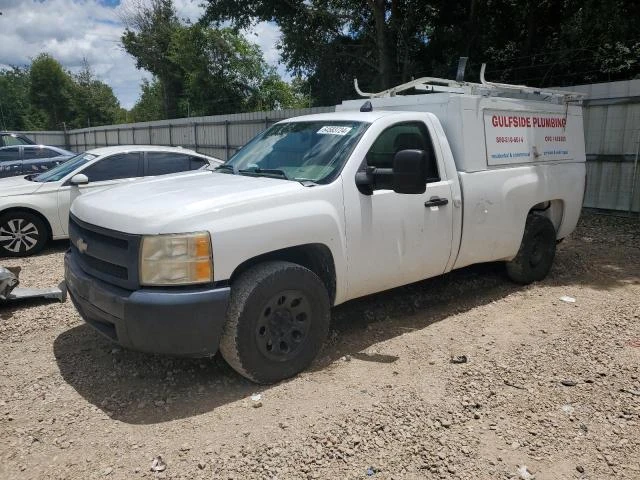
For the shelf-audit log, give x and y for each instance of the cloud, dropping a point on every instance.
(71, 30)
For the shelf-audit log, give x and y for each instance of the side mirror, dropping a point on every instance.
(79, 179)
(410, 171)
(408, 175)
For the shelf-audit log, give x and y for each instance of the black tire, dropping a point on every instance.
(537, 250)
(277, 320)
(22, 234)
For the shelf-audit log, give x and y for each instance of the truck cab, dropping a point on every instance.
(321, 209)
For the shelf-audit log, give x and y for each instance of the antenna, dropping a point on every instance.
(366, 107)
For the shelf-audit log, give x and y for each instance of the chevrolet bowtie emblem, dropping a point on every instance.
(82, 246)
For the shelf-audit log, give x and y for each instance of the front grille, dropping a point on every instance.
(106, 267)
(106, 254)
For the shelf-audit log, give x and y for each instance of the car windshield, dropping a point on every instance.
(64, 169)
(300, 151)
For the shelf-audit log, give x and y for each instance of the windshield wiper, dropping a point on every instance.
(226, 167)
(267, 172)
(31, 177)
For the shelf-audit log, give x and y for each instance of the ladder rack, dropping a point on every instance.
(484, 88)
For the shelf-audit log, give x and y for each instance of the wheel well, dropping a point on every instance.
(316, 257)
(32, 212)
(552, 209)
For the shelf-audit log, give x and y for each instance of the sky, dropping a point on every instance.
(71, 30)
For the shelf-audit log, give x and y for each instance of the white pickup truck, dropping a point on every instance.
(321, 209)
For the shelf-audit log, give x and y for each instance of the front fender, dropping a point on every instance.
(316, 218)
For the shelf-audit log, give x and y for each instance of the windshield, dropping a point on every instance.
(301, 151)
(64, 169)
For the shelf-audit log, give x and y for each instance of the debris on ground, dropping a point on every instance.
(459, 359)
(158, 465)
(418, 417)
(568, 299)
(8, 281)
(632, 392)
(524, 474)
(568, 383)
(256, 400)
(9, 292)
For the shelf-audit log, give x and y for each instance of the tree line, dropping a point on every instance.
(200, 69)
(45, 96)
(387, 42)
(209, 67)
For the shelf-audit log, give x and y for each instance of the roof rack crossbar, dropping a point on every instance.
(434, 84)
(526, 89)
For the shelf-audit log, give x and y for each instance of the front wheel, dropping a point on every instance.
(277, 321)
(537, 250)
(21, 234)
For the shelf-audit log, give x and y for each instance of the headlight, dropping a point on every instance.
(183, 259)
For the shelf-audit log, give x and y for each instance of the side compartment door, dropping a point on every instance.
(104, 173)
(395, 239)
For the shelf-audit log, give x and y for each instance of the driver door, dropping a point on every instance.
(106, 172)
(394, 239)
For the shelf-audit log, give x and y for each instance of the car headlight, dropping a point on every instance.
(181, 259)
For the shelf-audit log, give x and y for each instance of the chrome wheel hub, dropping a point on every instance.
(18, 235)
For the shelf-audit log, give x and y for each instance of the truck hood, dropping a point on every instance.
(159, 205)
(17, 186)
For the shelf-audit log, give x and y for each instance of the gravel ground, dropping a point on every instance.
(550, 389)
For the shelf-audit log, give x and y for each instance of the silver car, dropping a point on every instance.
(26, 159)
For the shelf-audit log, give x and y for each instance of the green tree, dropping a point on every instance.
(554, 42)
(16, 111)
(276, 94)
(93, 101)
(150, 104)
(332, 40)
(150, 28)
(387, 42)
(225, 73)
(199, 70)
(51, 90)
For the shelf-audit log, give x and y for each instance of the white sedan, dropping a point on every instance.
(35, 208)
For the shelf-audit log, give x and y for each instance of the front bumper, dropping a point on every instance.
(170, 321)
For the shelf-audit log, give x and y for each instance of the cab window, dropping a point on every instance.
(403, 136)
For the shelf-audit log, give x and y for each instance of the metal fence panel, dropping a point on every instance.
(55, 138)
(612, 142)
(611, 124)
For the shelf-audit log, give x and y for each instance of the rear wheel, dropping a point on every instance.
(277, 321)
(537, 250)
(22, 234)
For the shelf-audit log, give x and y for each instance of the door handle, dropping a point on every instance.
(436, 202)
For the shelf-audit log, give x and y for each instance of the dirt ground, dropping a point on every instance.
(550, 390)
